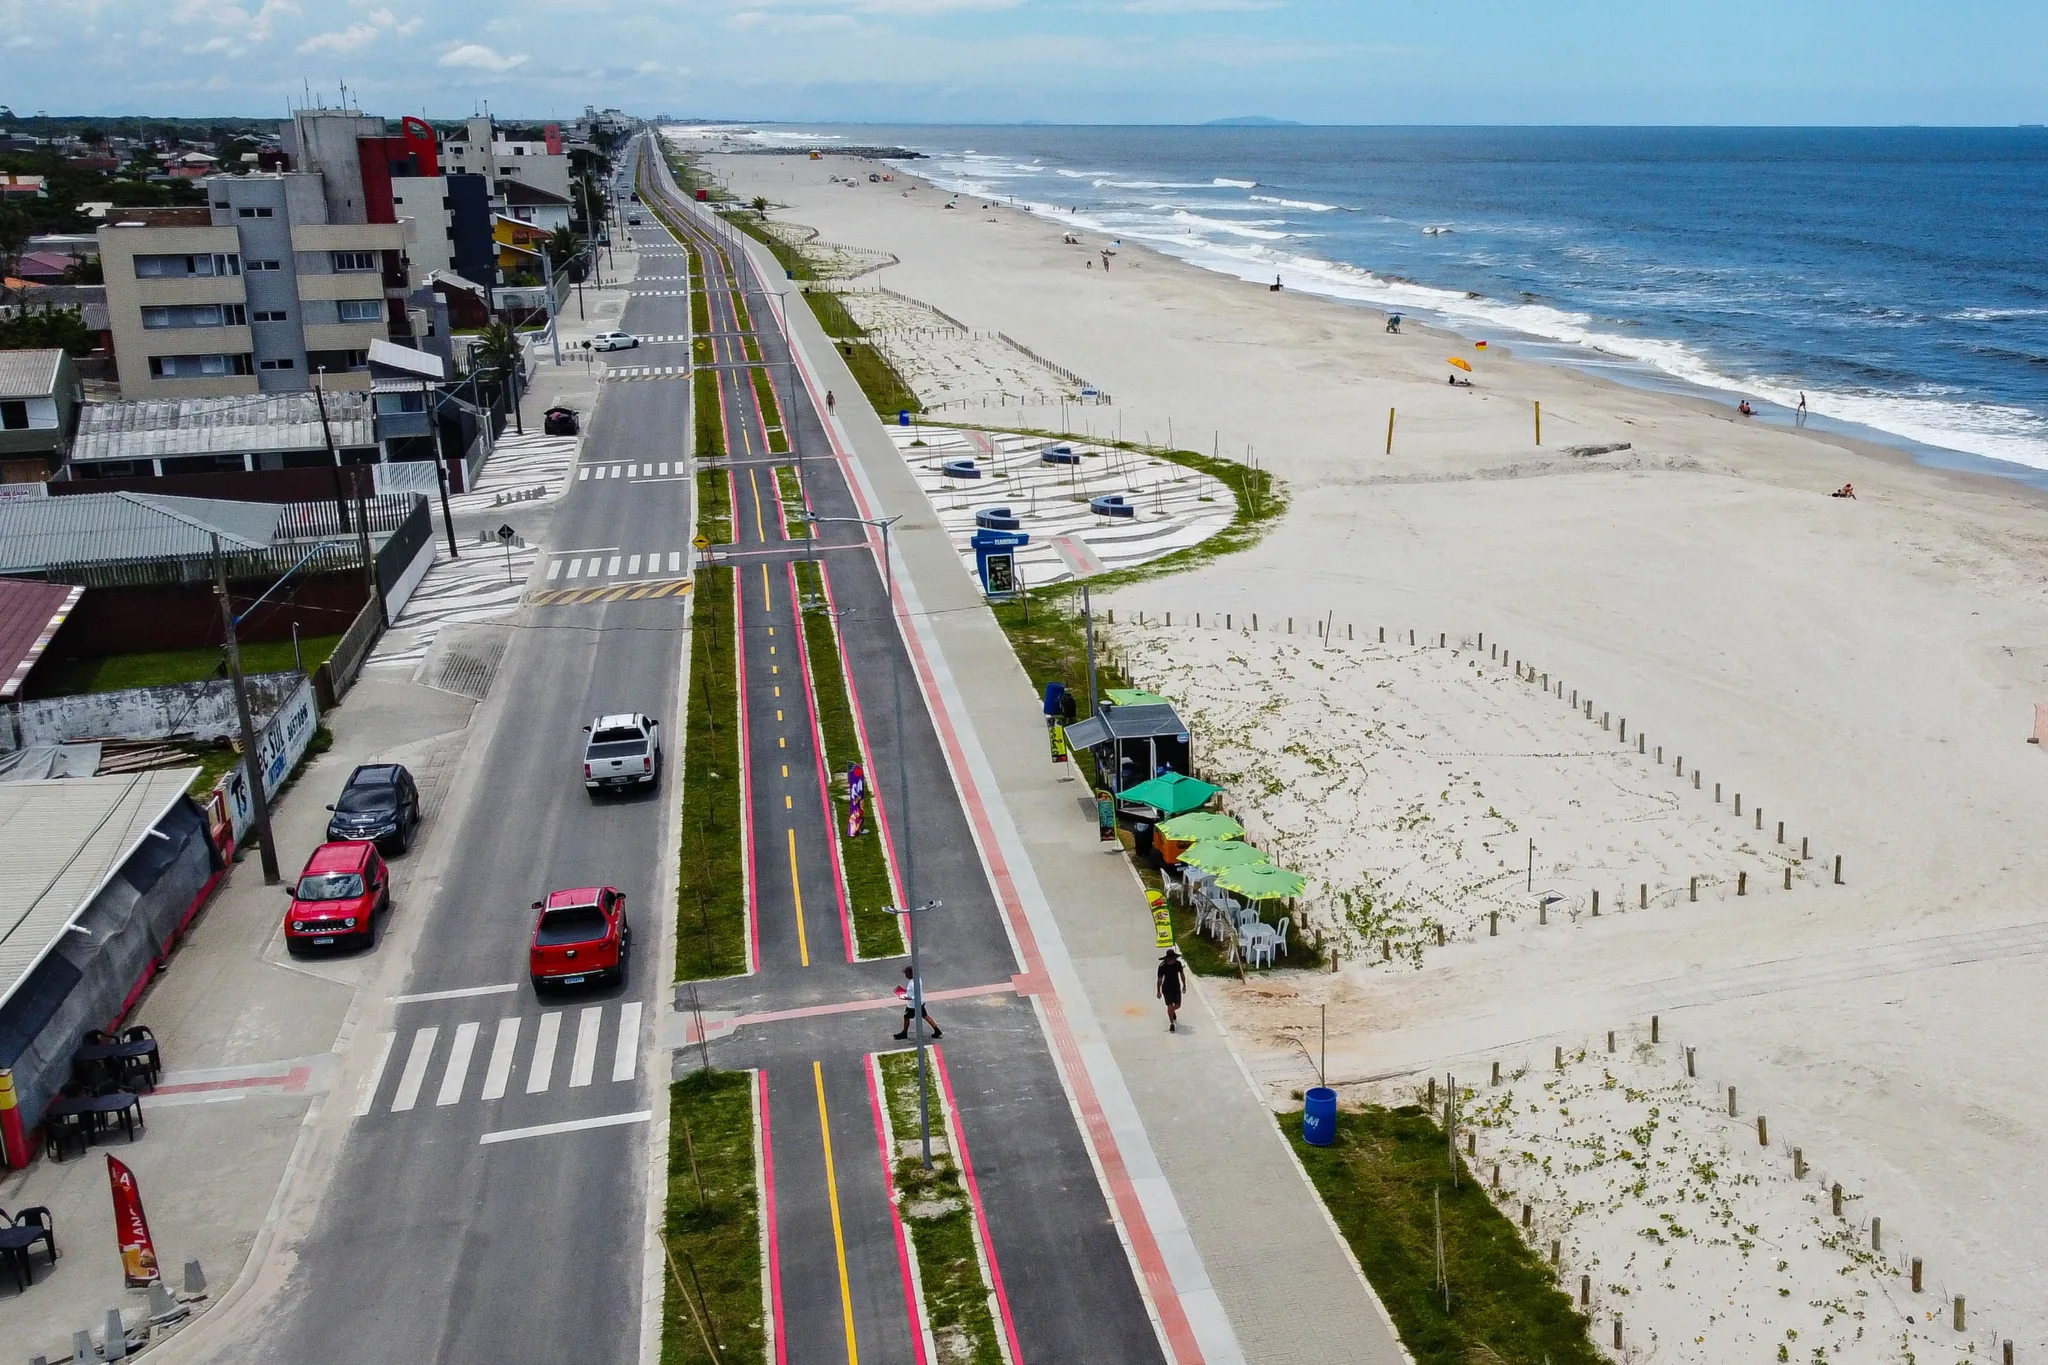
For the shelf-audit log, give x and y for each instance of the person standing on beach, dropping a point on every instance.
(1172, 983)
(911, 993)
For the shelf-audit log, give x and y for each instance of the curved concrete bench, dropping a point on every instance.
(960, 469)
(997, 519)
(1058, 453)
(1112, 505)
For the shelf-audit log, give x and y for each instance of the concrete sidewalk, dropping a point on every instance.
(1263, 1247)
(250, 1038)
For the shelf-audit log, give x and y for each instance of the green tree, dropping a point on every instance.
(563, 246)
(499, 349)
(47, 328)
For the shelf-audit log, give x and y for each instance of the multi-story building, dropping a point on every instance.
(480, 151)
(259, 292)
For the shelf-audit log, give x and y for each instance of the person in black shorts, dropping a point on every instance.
(1173, 979)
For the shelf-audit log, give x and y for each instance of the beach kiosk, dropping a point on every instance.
(1135, 736)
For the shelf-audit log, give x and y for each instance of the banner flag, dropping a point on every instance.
(131, 1228)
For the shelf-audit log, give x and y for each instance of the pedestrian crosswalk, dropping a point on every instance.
(663, 339)
(629, 591)
(652, 469)
(591, 568)
(520, 1052)
(660, 293)
(646, 372)
(485, 584)
(638, 278)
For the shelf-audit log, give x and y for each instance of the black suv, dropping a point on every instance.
(380, 804)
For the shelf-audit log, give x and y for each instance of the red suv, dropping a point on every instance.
(338, 897)
(580, 936)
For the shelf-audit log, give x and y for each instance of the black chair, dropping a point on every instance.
(18, 1236)
(99, 1038)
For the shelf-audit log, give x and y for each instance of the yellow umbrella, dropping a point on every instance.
(1461, 363)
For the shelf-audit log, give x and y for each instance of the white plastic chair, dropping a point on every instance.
(1280, 933)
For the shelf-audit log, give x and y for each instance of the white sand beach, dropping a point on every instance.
(1863, 670)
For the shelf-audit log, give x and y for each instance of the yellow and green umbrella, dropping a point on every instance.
(1201, 824)
(1214, 855)
(1261, 882)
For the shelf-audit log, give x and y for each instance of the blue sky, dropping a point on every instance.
(1090, 61)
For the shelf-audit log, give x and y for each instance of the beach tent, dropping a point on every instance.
(1202, 824)
(1214, 855)
(1261, 882)
(1169, 794)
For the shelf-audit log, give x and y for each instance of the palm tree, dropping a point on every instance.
(498, 348)
(563, 246)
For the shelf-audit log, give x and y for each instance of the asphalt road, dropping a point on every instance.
(451, 1231)
(1064, 1277)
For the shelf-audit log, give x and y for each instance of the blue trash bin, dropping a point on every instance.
(1319, 1117)
(903, 417)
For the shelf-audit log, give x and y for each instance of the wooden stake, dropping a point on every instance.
(1763, 1131)
(1916, 1274)
(1390, 431)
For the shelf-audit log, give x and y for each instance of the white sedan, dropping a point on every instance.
(614, 341)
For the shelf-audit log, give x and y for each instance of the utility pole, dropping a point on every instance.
(370, 583)
(327, 439)
(440, 463)
(547, 279)
(252, 758)
(1088, 613)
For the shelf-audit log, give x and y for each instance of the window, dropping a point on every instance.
(13, 414)
(198, 366)
(396, 199)
(353, 260)
(183, 267)
(262, 265)
(222, 204)
(361, 310)
(195, 315)
(276, 365)
(261, 211)
(269, 315)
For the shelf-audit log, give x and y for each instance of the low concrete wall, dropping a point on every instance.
(202, 710)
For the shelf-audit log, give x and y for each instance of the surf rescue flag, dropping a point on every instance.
(131, 1228)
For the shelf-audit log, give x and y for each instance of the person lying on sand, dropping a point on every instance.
(1847, 490)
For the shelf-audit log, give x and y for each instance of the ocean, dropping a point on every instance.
(1898, 277)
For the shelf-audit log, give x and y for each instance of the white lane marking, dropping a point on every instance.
(554, 570)
(675, 561)
(628, 1054)
(633, 564)
(575, 568)
(458, 1063)
(587, 1028)
(375, 1076)
(614, 565)
(415, 1069)
(568, 1126)
(583, 473)
(541, 1074)
(593, 566)
(462, 994)
(664, 468)
(500, 1069)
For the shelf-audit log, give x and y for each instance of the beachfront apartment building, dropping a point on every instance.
(260, 291)
(479, 150)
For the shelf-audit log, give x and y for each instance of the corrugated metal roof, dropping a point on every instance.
(64, 839)
(30, 612)
(153, 429)
(118, 528)
(28, 374)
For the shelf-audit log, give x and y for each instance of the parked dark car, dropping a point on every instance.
(380, 805)
(560, 422)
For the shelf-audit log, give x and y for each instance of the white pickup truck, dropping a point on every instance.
(623, 751)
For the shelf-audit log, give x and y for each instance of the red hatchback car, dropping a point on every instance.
(338, 898)
(580, 936)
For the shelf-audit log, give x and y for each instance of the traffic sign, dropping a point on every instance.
(505, 534)
(702, 542)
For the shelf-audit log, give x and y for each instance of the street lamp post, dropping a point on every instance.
(924, 1094)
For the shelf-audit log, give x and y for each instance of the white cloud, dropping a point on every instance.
(477, 57)
(409, 27)
(351, 39)
(1195, 6)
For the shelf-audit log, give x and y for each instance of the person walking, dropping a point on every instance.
(830, 402)
(911, 993)
(1172, 982)
(1801, 414)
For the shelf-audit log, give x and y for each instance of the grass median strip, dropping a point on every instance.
(1386, 1180)
(711, 911)
(712, 1226)
(869, 888)
(771, 412)
(714, 506)
(741, 317)
(790, 484)
(710, 423)
(951, 1278)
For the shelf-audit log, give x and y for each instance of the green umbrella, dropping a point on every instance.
(1262, 882)
(1201, 824)
(1213, 855)
(1170, 793)
(1134, 696)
